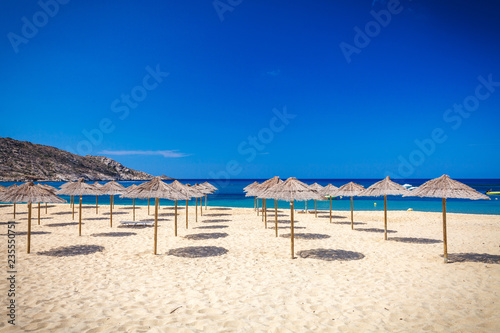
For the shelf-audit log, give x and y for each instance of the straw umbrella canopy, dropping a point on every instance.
(111, 188)
(97, 185)
(205, 190)
(51, 189)
(196, 193)
(384, 187)
(210, 187)
(350, 190)
(127, 195)
(156, 188)
(11, 187)
(189, 192)
(270, 195)
(318, 188)
(250, 187)
(444, 187)
(260, 189)
(330, 191)
(292, 190)
(29, 193)
(2, 188)
(78, 188)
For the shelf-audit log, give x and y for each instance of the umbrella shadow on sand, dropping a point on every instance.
(415, 240)
(272, 228)
(62, 224)
(212, 227)
(24, 233)
(349, 223)
(220, 208)
(197, 251)
(202, 236)
(75, 250)
(217, 215)
(331, 255)
(6, 223)
(473, 257)
(375, 230)
(63, 213)
(115, 213)
(333, 217)
(114, 234)
(215, 221)
(306, 236)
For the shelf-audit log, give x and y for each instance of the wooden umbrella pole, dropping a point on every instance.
(206, 197)
(201, 206)
(315, 208)
(73, 200)
(133, 207)
(385, 217)
(330, 209)
(265, 211)
(196, 209)
(111, 211)
(175, 219)
(352, 216)
(445, 242)
(306, 206)
(291, 228)
(148, 206)
(257, 206)
(96, 205)
(80, 217)
(38, 213)
(156, 224)
(29, 227)
(255, 203)
(186, 214)
(45, 208)
(14, 210)
(276, 216)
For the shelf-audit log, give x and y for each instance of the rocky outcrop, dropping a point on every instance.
(23, 161)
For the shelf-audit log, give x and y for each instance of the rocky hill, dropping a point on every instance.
(22, 161)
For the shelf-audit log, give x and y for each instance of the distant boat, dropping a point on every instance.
(407, 185)
(492, 192)
(412, 188)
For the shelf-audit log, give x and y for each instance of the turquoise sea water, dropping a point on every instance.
(230, 194)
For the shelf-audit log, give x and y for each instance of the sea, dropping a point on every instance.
(230, 194)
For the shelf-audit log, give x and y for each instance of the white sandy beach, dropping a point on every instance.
(245, 281)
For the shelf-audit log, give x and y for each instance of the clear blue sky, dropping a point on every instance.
(356, 101)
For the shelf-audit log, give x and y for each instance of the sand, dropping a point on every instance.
(227, 273)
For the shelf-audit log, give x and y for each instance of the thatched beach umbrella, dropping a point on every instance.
(253, 192)
(444, 187)
(260, 189)
(97, 185)
(196, 193)
(11, 187)
(2, 188)
(318, 188)
(270, 195)
(189, 192)
(30, 193)
(210, 187)
(350, 190)
(205, 190)
(126, 194)
(384, 187)
(292, 190)
(248, 188)
(71, 198)
(156, 188)
(49, 188)
(78, 188)
(111, 188)
(329, 191)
